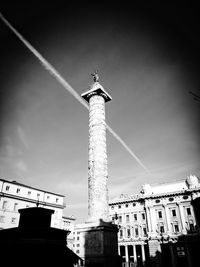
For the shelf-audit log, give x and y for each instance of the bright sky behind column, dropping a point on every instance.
(146, 63)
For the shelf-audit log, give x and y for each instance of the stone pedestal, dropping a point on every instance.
(155, 252)
(99, 245)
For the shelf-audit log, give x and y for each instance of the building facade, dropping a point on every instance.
(158, 225)
(14, 196)
(68, 225)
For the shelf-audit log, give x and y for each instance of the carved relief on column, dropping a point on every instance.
(97, 169)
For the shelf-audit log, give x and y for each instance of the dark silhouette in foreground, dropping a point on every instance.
(34, 242)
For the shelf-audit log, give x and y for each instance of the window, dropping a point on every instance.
(119, 206)
(77, 252)
(112, 207)
(120, 219)
(162, 229)
(188, 211)
(78, 237)
(171, 199)
(174, 213)
(121, 233)
(57, 199)
(7, 187)
(13, 220)
(135, 217)
(38, 195)
(29, 193)
(191, 226)
(15, 206)
(176, 228)
(126, 205)
(78, 245)
(4, 206)
(27, 206)
(136, 232)
(157, 201)
(127, 218)
(48, 197)
(160, 214)
(144, 231)
(18, 190)
(134, 204)
(143, 216)
(128, 233)
(2, 219)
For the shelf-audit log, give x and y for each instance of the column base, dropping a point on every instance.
(99, 244)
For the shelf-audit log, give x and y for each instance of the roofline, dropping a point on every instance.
(153, 196)
(31, 187)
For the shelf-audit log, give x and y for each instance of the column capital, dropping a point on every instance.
(96, 89)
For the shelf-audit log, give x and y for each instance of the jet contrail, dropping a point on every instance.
(67, 86)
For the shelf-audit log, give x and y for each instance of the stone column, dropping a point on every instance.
(149, 219)
(153, 219)
(182, 217)
(134, 254)
(126, 252)
(99, 235)
(97, 169)
(97, 163)
(143, 253)
(167, 218)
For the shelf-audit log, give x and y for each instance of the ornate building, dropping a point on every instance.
(158, 224)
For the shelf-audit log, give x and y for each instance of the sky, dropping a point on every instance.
(147, 56)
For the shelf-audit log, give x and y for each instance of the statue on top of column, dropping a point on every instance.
(95, 76)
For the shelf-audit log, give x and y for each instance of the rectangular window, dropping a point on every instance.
(57, 199)
(188, 211)
(128, 233)
(126, 206)
(120, 219)
(27, 206)
(144, 231)
(16, 207)
(135, 217)
(77, 252)
(18, 190)
(29, 193)
(162, 229)
(119, 206)
(78, 237)
(78, 245)
(136, 232)
(127, 218)
(174, 213)
(160, 214)
(191, 224)
(4, 206)
(143, 216)
(7, 187)
(176, 228)
(121, 233)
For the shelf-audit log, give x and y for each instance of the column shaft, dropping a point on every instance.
(97, 169)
